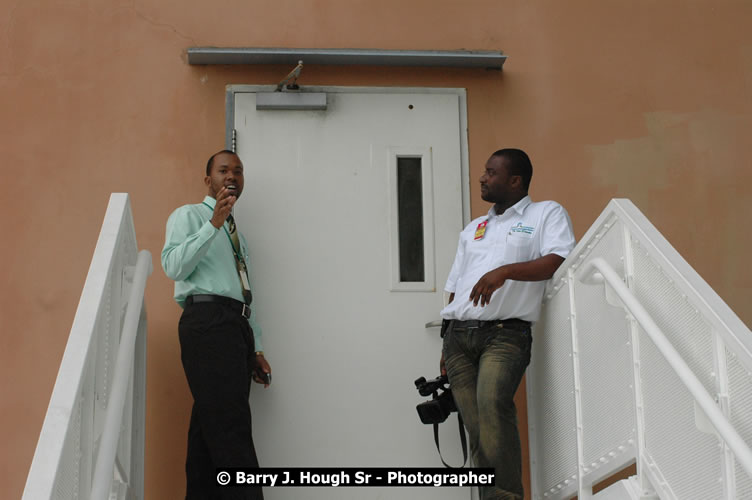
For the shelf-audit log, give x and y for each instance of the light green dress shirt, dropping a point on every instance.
(199, 257)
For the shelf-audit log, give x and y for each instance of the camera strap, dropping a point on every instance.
(463, 438)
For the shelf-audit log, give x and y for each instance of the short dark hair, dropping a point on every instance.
(211, 159)
(518, 163)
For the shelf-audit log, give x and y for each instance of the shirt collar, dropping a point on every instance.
(210, 201)
(518, 207)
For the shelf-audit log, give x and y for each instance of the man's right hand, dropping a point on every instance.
(223, 207)
(442, 368)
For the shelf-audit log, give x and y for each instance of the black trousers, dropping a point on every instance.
(218, 355)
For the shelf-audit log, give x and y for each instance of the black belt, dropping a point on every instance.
(242, 308)
(513, 323)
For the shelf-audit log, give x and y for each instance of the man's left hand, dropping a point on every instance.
(262, 365)
(487, 285)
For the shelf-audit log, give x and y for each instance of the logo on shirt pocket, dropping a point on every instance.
(521, 229)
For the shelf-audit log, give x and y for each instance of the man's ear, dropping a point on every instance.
(207, 181)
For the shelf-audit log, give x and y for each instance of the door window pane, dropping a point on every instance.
(410, 219)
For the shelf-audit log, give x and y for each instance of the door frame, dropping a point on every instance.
(231, 90)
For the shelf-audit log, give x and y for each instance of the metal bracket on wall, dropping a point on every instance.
(291, 100)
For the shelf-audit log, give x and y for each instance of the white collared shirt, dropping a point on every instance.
(524, 232)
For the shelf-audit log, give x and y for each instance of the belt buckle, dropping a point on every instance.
(246, 311)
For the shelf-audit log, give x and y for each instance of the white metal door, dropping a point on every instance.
(344, 333)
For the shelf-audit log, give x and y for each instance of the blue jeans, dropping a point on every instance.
(485, 367)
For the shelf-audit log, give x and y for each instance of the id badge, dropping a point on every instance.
(244, 279)
(480, 231)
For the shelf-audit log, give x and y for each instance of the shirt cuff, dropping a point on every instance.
(257, 342)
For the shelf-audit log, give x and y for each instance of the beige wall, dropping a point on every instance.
(646, 100)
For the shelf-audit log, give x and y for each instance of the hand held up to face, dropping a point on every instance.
(224, 180)
(223, 207)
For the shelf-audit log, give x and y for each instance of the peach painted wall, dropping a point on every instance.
(646, 100)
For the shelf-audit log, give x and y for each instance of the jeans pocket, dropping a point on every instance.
(510, 339)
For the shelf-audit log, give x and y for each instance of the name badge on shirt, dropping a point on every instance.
(244, 279)
(243, 272)
(480, 232)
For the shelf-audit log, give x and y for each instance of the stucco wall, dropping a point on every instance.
(646, 100)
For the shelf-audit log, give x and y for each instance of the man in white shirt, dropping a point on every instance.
(496, 287)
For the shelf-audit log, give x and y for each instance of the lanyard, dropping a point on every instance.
(235, 251)
(240, 263)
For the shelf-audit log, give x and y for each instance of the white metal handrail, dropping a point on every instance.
(69, 442)
(707, 403)
(102, 478)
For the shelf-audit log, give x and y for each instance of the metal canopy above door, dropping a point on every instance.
(487, 59)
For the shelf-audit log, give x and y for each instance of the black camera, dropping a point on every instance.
(441, 406)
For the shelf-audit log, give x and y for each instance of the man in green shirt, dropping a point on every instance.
(220, 341)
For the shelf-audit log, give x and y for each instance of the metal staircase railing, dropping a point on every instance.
(637, 360)
(92, 440)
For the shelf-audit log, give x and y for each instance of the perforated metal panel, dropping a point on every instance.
(689, 459)
(67, 481)
(551, 397)
(606, 374)
(676, 316)
(671, 431)
(605, 365)
(740, 402)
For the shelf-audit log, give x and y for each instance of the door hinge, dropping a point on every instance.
(234, 140)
